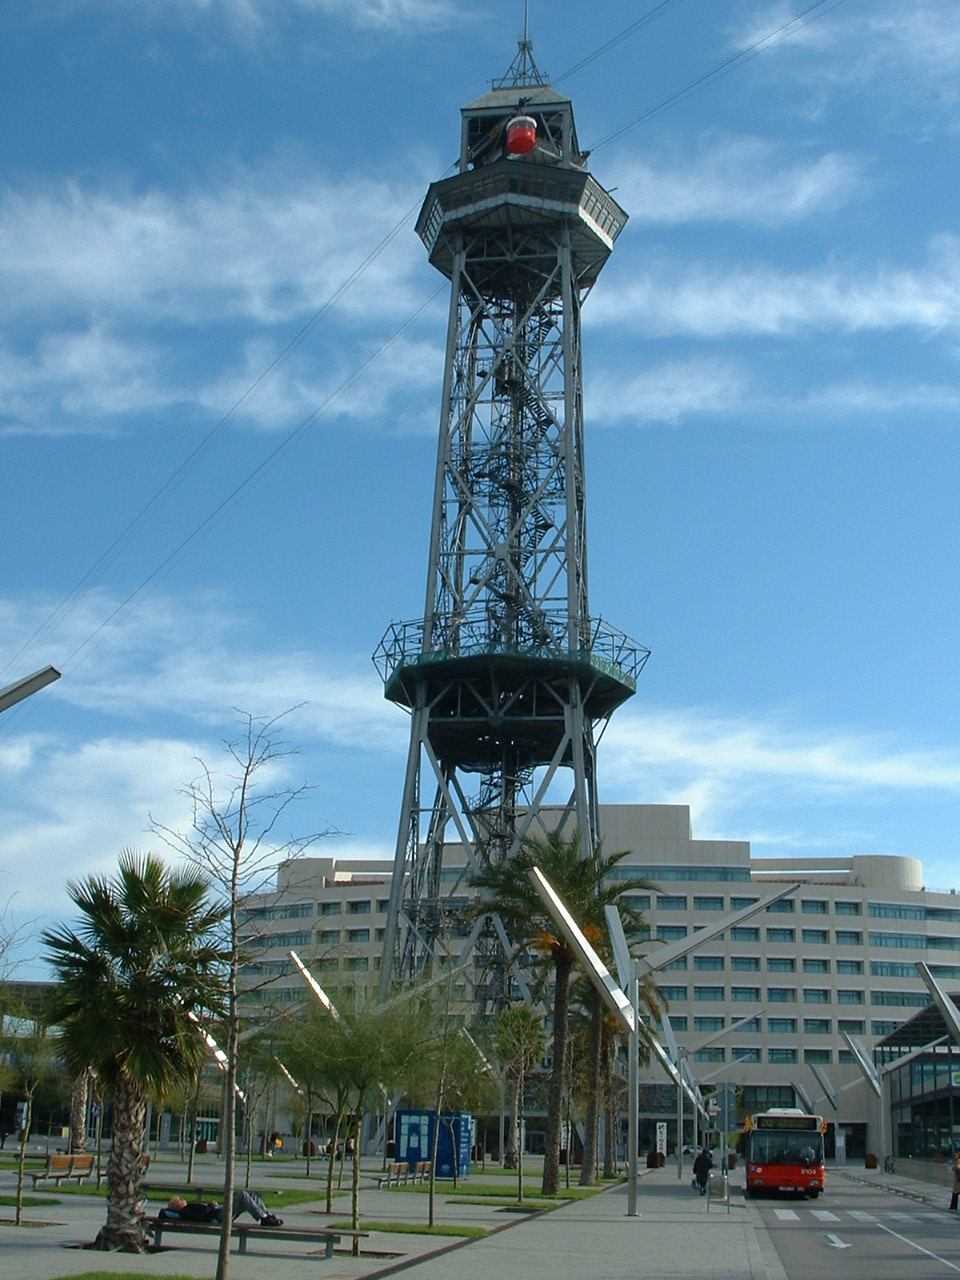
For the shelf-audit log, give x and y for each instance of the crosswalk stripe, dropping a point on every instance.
(862, 1216)
(824, 1215)
(787, 1215)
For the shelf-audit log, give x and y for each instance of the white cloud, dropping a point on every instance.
(692, 751)
(743, 180)
(718, 301)
(668, 391)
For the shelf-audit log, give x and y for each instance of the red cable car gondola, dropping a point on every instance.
(521, 135)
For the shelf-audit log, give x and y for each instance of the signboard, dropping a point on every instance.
(414, 1140)
(662, 1137)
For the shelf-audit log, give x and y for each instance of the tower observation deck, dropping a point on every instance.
(507, 677)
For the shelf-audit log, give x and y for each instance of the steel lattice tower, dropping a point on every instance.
(507, 677)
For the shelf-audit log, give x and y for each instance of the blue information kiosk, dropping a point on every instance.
(414, 1139)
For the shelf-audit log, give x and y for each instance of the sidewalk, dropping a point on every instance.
(675, 1235)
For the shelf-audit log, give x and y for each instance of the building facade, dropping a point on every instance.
(836, 956)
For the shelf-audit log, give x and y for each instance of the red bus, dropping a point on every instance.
(784, 1150)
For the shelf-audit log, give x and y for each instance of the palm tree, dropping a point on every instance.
(141, 965)
(583, 881)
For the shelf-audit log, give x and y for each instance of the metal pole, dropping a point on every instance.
(680, 1058)
(633, 1084)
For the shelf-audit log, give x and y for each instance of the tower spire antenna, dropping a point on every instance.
(523, 70)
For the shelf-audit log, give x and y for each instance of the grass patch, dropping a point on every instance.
(28, 1202)
(117, 1275)
(416, 1228)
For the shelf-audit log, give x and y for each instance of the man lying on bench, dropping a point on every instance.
(209, 1211)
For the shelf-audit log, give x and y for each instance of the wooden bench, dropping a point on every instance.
(328, 1237)
(400, 1173)
(397, 1173)
(59, 1167)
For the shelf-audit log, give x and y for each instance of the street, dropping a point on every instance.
(862, 1233)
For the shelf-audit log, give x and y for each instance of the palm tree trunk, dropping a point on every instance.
(561, 1002)
(79, 1092)
(124, 1228)
(609, 1146)
(588, 1166)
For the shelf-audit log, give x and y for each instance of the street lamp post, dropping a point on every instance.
(11, 694)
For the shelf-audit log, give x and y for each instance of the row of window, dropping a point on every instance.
(775, 1054)
(778, 1025)
(673, 992)
(808, 906)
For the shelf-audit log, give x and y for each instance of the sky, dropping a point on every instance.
(221, 348)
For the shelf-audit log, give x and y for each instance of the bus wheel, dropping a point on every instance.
(813, 1192)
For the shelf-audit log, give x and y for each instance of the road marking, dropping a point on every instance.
(787, 1215)
(904, 1217)
(836, 1243)
(919, 1247)
(825, 1215)
(862, 1216)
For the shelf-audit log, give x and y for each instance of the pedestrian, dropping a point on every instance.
(244, 1201)
(701, 1169)
(955, 1170)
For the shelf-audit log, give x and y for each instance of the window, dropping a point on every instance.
(708, 993)
(781, 995)
(383, 906)
(781, 935)
(673, 993)
(358, 935)
(783, 905)
(359, 907)
(679, 963)
(816, 1026)
(896, 911)
(782, 1026)
(708, 962)
(743, 1054)
(678, 1021)
(915, 941)
(846, 908)
(813, 907)
(854, 1026)
(715, 1053)
(671, 932)
(750, 1028)
(781, 1055)
(329, 908)
(672, 902)
(883, 1026)
(358, 964)
(744, 993)
(708, 902)
(328, 937)
(745, 964)
(712, 1022)
(816, 995)
(741, 904)
(781, 964)
(745, 933)
(817, 1055)
(639, 901)
(901, 999)
(847, 996)
(818, 936)
(816, 966)
(849, 937)
(852, 966)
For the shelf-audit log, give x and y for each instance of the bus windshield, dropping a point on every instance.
(772, 1146)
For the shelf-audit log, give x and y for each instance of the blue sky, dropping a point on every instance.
(220, 358)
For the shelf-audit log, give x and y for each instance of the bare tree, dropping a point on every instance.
(236, 840)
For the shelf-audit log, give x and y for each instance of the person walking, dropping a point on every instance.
(701, 1169)
(955, 1191)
